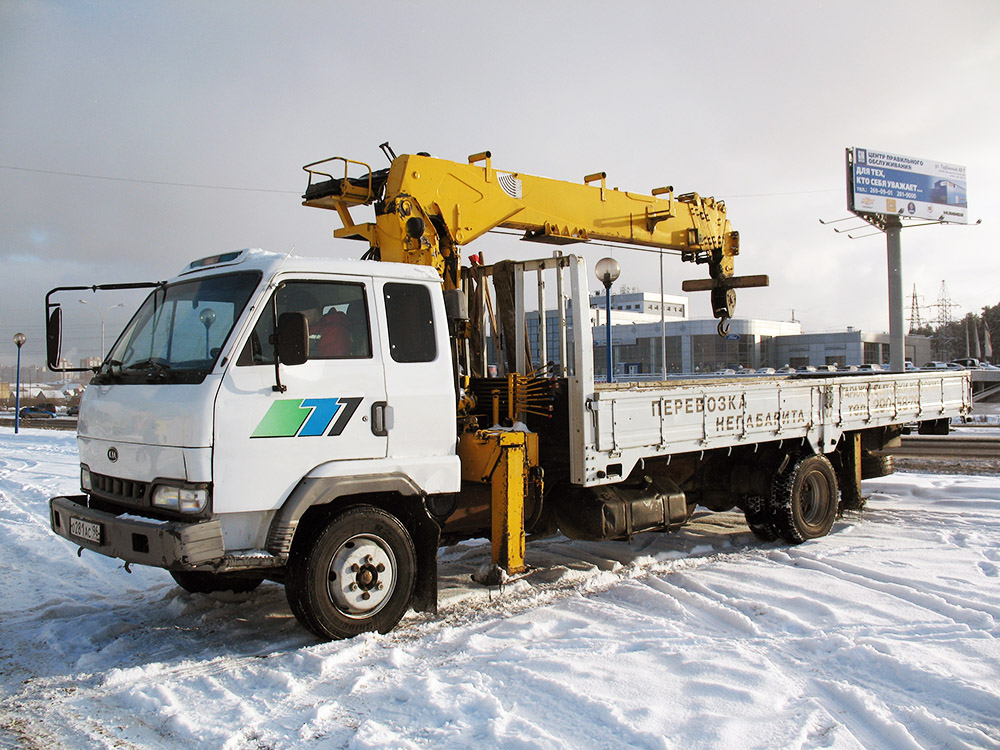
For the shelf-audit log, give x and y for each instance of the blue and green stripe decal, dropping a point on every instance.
(307, 417)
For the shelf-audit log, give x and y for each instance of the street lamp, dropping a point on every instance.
(19, 339)
(102, 313)
(608, 270)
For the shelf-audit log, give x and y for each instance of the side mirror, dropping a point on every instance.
(292, 338)
(53, 338)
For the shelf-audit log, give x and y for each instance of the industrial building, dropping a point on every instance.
(850, 347)
(641, 332)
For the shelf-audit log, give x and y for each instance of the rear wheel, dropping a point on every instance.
(804, 500)
(356, 575)
(204, 582)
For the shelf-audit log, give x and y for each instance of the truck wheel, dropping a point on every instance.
(204, 582)
(804, 500)
(757, 510)
(356, 575)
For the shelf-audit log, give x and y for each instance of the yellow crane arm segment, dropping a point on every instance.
(426, 208)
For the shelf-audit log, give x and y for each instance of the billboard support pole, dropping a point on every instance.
(894, 258)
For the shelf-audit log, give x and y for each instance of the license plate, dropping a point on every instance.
(87, 530)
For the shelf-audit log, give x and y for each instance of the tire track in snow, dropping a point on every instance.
(977, 617)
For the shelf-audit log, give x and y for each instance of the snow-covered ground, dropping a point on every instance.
(885, 634)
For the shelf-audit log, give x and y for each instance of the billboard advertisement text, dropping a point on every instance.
(884, 183)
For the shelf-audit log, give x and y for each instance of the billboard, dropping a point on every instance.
(883, 183)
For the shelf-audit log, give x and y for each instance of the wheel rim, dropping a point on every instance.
(362, 576)
(814, 499)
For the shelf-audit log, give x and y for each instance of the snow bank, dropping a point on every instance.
(884, 634)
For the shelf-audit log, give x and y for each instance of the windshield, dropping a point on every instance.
(179, 331)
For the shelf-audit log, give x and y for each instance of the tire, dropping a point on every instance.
(203, 582)
(804, 500)
(757, 510)
(873, 467)
(354, 576)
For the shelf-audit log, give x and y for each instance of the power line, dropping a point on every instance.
(774, 195)
(146, 182)
(108, 178)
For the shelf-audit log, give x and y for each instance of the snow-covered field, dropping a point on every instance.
(886, 634)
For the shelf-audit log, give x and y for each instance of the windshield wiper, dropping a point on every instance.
(107, 373)
(158, 369)
(150, 364)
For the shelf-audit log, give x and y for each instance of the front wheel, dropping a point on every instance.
(356, 575)
(804, 500)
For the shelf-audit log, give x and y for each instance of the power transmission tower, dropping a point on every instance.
(915, 321)
(943, 336)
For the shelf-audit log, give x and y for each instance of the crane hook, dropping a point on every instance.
(723, 327)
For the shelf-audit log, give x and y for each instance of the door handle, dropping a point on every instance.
(379, 428)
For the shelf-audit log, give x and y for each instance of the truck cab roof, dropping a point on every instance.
(270, 263)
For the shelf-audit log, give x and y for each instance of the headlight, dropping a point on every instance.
(183, 499)
(85, 484)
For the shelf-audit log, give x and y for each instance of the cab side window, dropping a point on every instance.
(410, 323)
(337, 314)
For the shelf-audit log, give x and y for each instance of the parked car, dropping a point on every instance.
(73, 411)
(941, 366)
(872, 367)
(969, 362)
(36, 412)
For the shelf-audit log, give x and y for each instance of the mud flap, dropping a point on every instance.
(426, 537)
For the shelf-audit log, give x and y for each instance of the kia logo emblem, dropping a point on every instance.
(112, 454)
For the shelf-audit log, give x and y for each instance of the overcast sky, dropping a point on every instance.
(752, 102)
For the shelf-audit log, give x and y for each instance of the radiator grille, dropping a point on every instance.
(122, 490)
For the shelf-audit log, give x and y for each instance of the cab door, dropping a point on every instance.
(267, 440)
(420, 381)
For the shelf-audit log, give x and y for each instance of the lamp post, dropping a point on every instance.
(102, 313)
(207, 318)
(19, 339)
(608, 270)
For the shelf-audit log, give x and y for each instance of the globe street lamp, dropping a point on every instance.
(102, 313)
(19, 339)
(608, 270)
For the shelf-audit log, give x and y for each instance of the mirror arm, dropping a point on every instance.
(277, 387)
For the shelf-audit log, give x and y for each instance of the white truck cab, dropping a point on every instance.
(201, 452)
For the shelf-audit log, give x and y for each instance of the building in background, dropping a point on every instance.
(850, 347)
(640, 332)
(92, 363)
(692, 346)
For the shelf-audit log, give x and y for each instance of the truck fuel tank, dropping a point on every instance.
(618, 511)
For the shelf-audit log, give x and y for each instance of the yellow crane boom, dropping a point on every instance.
(427, 208)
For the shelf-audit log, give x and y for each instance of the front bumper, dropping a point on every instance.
(162, 544)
